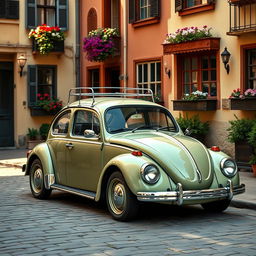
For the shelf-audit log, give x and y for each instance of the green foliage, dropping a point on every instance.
(240, 129)
(194, 124)
(43, 130)
(252, 141)
(253, 159)
(32, 133)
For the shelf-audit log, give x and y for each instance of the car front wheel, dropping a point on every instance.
(121, 203)
(216, 206)
(36, 179)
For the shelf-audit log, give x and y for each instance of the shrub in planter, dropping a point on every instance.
(43, 130)
(32, 133)
(252, 141)
(197, 128)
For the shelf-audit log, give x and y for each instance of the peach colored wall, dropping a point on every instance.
(146, 43)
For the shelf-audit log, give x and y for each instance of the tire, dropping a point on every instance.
(36, 180)
(216, 206)
(122, 206)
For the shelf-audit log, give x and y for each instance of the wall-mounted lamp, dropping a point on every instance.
(225, 56)
(167, 71)
(21, 62)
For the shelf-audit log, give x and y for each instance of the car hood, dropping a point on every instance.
(183, 158)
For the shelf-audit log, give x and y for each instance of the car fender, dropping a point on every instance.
(41, 152)
(130, 167)
(222, 179)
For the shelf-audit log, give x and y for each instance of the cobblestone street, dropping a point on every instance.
(70, 225)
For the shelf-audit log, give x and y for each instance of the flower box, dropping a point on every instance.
(204, 44)
(195, 105)
(35, 111)
(58, 47)
(243, 104)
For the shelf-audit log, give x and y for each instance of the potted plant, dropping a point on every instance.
(45, 38)
(195, 101)
(100, 44)
(240, 100)
(238, 133)
(43, 130)
(32, 136)
(197, 129)
(46, 105)
(252, 141)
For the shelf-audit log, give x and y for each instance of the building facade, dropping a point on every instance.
(50, 74)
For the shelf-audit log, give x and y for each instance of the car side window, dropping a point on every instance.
(86, 120)
(60, 126)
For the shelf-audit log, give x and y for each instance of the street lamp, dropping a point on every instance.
(225, 56)
(21, 62)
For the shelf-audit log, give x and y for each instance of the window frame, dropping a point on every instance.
(153, 12)
(181, 8)
(199, 69)
(33, 73)
(149, 81)
(61, 14)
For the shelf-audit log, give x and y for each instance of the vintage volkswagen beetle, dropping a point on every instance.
(125, 150)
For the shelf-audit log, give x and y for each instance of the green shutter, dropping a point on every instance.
(31, 16)
(132, 11)
(155, 8)
(178, 5)
(12, 9)
(62, 14)
(2, 8)
(211, 1)
(32, 85)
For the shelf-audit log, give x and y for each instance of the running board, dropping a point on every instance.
(75, 191)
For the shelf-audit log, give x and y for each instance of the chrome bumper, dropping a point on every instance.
(179, 196)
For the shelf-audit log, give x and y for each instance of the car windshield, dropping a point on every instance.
(133, 118)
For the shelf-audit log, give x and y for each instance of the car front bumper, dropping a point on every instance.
(180, 196)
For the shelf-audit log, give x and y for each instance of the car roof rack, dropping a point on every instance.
(122, 92)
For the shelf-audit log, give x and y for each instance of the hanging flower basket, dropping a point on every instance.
(46, 38)
(100, 44)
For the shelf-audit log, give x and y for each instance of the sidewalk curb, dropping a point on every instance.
(243, 204)
(11, 165)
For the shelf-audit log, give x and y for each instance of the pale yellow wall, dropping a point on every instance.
(218, 20)
(13, 42)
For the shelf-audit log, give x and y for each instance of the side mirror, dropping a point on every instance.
(187, 132)
(89, 134)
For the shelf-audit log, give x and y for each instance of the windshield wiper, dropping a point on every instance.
(140, 127)
(163, 128)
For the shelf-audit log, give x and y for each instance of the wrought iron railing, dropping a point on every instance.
(242, 15)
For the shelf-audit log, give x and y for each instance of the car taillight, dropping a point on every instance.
(215, 148)
(28, 153)
(137, 153)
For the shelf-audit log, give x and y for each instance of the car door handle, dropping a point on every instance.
(69, 145)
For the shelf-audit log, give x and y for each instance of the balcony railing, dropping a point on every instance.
(242, 14)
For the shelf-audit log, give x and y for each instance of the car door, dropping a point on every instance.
(84, 156)
(57, 144)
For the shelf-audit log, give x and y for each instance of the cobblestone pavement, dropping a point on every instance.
(70, 225)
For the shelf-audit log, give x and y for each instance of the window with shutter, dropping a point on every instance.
(9, 9)
(41, 79)
(52, 13)
(144, 11)
(185, 7)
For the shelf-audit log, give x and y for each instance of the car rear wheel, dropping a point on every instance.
(121, 203)
(36, 179)
(217, 206)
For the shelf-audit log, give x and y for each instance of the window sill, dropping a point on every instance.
(146, 22)
(196, 9)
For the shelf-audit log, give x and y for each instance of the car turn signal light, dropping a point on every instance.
(137, 153)
(215, 148)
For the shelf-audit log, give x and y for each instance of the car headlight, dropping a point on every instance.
(150, 174)
(228, 167)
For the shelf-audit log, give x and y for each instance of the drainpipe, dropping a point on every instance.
(125, 24)
(77, 45)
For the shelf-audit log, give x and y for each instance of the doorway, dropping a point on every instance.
(112, 77)
(6, 105)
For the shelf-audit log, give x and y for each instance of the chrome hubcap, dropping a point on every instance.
(117, 196)
(37, 180)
